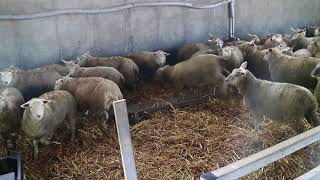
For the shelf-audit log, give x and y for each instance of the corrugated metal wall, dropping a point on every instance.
(35, 42)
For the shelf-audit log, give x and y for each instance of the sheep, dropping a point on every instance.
(254, 57)
(295, 70)
(43, 115)
(276, 40)
(99, 71)
(30, 83)
(254, 37)
(302, 53)
(302, 42)
(283, 102)
(202, 52)
(233, 55)
(93, 94)
(236, 42)
(312, 31)
(125, 66)
(10, 112)
(315, 49)
(188, 50)
(149, 62)
(316, 74)
(202, 70)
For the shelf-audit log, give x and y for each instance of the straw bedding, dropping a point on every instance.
(176, 144)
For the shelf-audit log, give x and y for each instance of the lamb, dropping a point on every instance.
(202, 70)
(99, 71)
(30, 83)
(149, 62)
(316, 74)
(43, 115)
(279, 101)
(95, 94)
(125, 66)
(10, 112)
(295, 70)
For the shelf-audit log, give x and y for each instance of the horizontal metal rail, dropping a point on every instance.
(263, 158)
(112, 9)
(314, 174)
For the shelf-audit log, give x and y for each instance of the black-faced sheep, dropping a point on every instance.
(148, 62)
(10, 112)
(125, 66)
(43, 115)
(295, 70)
(95, 94)
(202, 70)
(99, 71)
(279, 101)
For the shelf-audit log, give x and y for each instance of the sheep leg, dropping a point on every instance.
(299, 126)
(45, 140)
(106, 117)
(258, 118)
(72, 124)
(35, 143)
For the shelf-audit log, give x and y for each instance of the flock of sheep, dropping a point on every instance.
(275, 75)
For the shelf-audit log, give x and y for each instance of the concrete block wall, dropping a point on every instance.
(31, 43)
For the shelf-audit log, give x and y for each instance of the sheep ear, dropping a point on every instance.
(25, 105)
(78, 59)
(211, 35)
(252, 41)
(165, 53)
(45, 101)
(64, 61)
(244, 65)
(316, 71)
(209, 40)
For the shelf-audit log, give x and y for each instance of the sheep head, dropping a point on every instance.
(214, 42)
(6, 78)
(36, 107)
(238, 75)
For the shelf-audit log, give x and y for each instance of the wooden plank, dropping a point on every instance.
(263, 158)
(314, 174)
(126, 148)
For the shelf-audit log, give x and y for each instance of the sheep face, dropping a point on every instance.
(238, 76)
(160, 57)
(248, 48)
(36, 107)
(254, 37)
(72, 66)
(58, 84)
(6, 78)
(215, 43)
(315, 49)
(226, 53)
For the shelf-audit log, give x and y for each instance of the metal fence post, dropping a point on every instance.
(231, 14)
(126, 148)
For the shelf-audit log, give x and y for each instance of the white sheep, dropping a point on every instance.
(43, 115)
(279, 101)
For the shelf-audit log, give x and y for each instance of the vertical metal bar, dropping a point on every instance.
(126, 148)
(231, 13)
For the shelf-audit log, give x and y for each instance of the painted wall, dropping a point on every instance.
(31, 43)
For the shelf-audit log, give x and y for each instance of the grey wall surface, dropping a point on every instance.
(35, 42)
